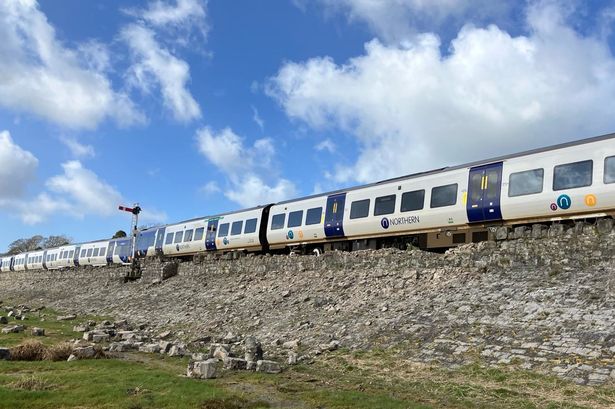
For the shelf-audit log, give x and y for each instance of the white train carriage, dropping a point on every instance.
(93, 253)
(238, 231)
(19, 262)
(65, 257)
(34, 260)
(296, 223)
(6, 263)
(51, 259)
(185, 238)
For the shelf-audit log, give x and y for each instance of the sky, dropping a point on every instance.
(193, 107)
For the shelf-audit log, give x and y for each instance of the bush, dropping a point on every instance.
(59, 352)
(29, 350)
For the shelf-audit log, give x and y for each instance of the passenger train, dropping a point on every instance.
(437, 209)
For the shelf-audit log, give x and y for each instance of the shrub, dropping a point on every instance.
(29, 350)
(59, 352)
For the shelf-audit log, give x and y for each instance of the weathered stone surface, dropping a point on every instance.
(292, 358)
(268, 367)
(84, 352)
(169, 270)
(38, 332)
(5, 354)
(221, 351)
(81, 328)
(234, 363)
(72, 357)
(66, 317)
(97, 338)
(13, 329)
(253, 350)
(203, 369)
(177, 350)
(150, 348)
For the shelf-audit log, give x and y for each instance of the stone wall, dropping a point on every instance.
(541, 298)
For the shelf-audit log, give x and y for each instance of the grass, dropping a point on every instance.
(380, 379)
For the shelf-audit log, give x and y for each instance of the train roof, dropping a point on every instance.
(456, 167)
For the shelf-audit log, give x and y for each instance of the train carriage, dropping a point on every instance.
(34, 260)
(93, 253)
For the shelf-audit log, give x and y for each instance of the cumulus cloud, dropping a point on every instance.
(17, 168)
(247, 168)
(41, 76)
(180, 13)
(411, 108)
(78, 149)
(326, 145)
(399, 20)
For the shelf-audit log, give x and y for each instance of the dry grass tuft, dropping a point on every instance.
(29, 350)
(31, 383)
(59, 352)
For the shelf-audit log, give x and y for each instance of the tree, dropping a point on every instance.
(119, 234)
(22, 245)
(56, 241)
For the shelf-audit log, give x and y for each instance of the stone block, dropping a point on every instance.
(253, 349)
(169, 270)
(66, 317)
(97, 338)
(556, 230)
(292, 358)
(13, 329)
(203, 369)
(150, 348)
(221, 352)
(71, 358)
(604, 226)
(165, 347)
(537, 230)
(177, 350)
(501, 233)
(84, 352)
(268, 367)
(38, 332)
(235, 363)
(80, 328)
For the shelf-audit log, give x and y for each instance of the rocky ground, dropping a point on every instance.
(539, 299)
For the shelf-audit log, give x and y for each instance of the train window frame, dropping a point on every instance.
(566, 187)
(179, 237)
(250, 226)
(71, 254)
(89, 253)
(278, 221)
(96, 251)
(433, 205)
(604, 179)
(188, 235)
(514, 174)
(237, 228)
(103, 252)
(310, 216)
(198, 234)
(408, 195)
(295, 219)
(223, 229)
(169, 238)
(357, 212)
(379, 211)
(83, 253)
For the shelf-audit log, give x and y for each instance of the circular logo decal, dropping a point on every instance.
(290, 235)
(590, 200)
(553, 206)
(384, 223)
(225, 241)
(564, 202)
(177, 247)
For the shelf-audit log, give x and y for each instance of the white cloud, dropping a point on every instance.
(257, 119)
(88, 193)
(183, 12)
(152, 216)
(248, 169)
(411, 108)
(210, 187)
(41, 76)
(17, 168)
(79, 150)
(326, 145)
(155, 66)
(399, 20)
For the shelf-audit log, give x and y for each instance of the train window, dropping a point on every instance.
(277, 221)
(295, 218)
(313, 216)
(572, 175)
(414, 200)
(444, 195)
(90, 251)
(83, 252)
(250, 226)
(179, 237)
(384, 205)
(198, 233)
(102, 252)
(525, 183)
(71, 254)
(188, 235)
(223, 230)
(609, 170)
(95, 254)
(169, 238)
(236, 228)
(359, 209)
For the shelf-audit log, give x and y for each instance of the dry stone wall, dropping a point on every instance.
(539, 298)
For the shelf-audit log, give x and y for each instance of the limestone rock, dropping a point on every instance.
(150, 348)
(38, 332)
(13, 329)
(268, 367)
(202, 369)
(66, 317)
(235, 363)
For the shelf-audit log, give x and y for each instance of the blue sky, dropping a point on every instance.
(194, 107)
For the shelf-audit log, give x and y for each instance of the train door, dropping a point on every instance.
(76, 256)
(210, 237)
(334, 215)
(159, 240)
(484, 188)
